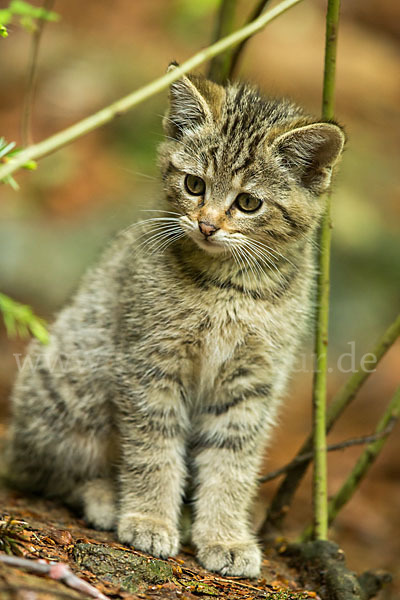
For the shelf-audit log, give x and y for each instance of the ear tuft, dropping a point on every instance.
(172, 66)
(310, 153)
(193, 101)
(187, 107)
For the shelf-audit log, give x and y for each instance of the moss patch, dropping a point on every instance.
(130, 571)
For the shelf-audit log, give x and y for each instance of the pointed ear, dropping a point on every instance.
(193, 101)
(310, 152)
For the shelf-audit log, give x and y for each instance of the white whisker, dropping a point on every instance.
(257, 257)
(159, 232)
(159, 210)
(145, 175)
(264, 258)
(238, 262)
(268, 248)
(157, 228)
(152, 220)
(164, 245)
(247, 260)
(244, 264)
(163, 233)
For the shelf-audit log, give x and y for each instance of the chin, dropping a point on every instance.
(211, 247)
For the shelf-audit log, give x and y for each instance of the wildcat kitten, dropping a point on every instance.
(172, 358)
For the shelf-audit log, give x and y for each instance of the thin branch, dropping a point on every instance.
(220, 64)
(364, 463)
(237, 52)
(119, 107)
(26, 131)
(366, 459)
(320, 490)
(284, 495)
(58, 571)
(16, 589)
(350, 389)
(306, 458)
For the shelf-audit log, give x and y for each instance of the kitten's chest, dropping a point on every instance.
(222, 338)
(214, 350)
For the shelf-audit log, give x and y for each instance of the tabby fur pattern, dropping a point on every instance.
(164, 373)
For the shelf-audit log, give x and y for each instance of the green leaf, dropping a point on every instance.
(19, 319)
(22, 329)
(9, 322)
(31, 165)
(5, 17)
(24, 9)
(28, 23)
(5, 148)
(7, 152)
(19, 7)
(28, 15)
(197, 9)
(48, 15)
(39, 331)
(9, 180)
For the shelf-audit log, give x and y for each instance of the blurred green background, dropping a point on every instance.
(65, 211)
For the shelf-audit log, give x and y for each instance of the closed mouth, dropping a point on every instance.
(210, 245)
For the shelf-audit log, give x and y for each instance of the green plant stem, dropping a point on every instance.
(220, 64)
(320, 489)
(350, 389)
(331, 448)
(119, 107)
(284, 495)
(238, 50)
(331, 37)
(26, 132)
(366, 459)
(322, 321)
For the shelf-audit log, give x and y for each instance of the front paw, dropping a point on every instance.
(147, 534)
(240, 559)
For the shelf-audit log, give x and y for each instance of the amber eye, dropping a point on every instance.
(195, 185)
(247, 203)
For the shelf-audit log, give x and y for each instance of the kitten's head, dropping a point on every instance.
(243, 170)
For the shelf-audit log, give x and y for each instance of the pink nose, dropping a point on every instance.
(207, 228)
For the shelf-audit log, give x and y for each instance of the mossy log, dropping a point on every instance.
(132, 572)
(324, 563)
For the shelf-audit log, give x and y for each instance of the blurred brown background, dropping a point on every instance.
(65, 211)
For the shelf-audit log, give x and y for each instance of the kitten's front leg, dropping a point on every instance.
(228, 453)
(152, 471)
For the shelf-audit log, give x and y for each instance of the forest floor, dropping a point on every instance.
(42, 529)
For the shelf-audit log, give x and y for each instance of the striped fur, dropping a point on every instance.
(165, 372)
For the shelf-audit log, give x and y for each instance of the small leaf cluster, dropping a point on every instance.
(11, 536)
(19, 319)
(26, 14)
(7, 151)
